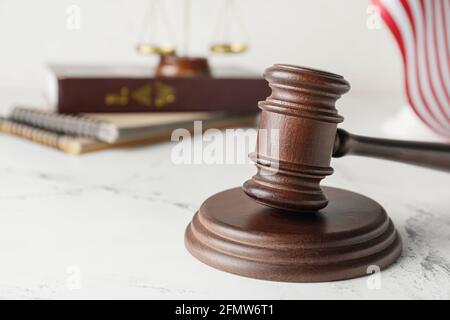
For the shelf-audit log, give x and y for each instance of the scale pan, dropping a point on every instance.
(229, 47)
(148, 49)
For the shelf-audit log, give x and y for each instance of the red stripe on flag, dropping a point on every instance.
(423, 72)
(445, 28)
(410, 16)
(438, 60)
(397, 35)
(428, 79)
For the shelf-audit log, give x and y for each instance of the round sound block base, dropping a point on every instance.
(351, 237)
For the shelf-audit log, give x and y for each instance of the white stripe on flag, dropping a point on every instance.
(444, 55)
(431, 79)
(426, 63)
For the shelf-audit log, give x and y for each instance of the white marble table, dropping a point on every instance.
(111, 224)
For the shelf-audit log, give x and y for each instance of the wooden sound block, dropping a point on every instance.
(233, 233)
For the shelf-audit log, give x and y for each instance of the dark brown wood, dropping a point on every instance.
(127, 89)
(431, 155)
(176, 66)
(292, 164)
(233, 233)
(289, 228)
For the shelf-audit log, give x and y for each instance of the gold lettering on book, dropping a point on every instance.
(164, 95)
(120, 98)
(156, 94)
(143, 95)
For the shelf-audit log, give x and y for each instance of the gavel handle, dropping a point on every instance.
(431, 155)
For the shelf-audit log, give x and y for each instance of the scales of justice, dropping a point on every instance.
(159, 39)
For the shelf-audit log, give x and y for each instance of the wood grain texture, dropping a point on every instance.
(424, 154)
(233, 233)
(281, 225)
(302, 109)
(291, 164)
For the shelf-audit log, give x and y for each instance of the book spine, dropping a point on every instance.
(104, 95)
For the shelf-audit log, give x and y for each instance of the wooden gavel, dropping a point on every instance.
(291, 165)
(281, 225)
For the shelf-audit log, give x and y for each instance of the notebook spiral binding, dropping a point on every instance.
(54, 140)
(69, 124)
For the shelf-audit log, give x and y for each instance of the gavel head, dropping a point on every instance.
(295, 138)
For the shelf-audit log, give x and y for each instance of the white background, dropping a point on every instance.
(326, 34)
(119, 216)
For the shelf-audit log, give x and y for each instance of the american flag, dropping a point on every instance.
(422, 31)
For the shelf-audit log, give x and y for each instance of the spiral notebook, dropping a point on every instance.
(86, 133)
(110, 127)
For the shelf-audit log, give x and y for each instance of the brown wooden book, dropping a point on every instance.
(104, 89)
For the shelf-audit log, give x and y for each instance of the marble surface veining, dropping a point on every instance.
(111, 224)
